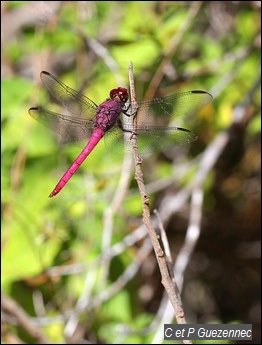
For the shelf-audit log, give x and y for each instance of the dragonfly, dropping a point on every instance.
(85, 120)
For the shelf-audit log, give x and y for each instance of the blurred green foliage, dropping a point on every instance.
(206, 51)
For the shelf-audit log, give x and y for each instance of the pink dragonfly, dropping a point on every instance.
(87, 121)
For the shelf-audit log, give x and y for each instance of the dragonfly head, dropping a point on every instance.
(119, 93)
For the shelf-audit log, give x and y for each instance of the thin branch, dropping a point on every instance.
(116, 249)
(127, 275)
(112, 209)
(172, 46)
(192, 236)
(183, 258)
(23, 319)
(73, 322)
(160, 255)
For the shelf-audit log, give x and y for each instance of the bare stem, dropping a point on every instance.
(171, 288)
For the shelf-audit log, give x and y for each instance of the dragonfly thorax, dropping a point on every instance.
(107, 114)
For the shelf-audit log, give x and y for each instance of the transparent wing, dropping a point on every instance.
(76, 103)
(71, 128)
(160, 111)
(153, 117)
(149, 138)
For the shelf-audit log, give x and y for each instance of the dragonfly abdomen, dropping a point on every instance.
(96, 136)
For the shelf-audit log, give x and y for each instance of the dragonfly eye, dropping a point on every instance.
(121, 93)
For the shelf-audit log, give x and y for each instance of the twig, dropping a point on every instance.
(160, 255)
(167, 314)
(116, 249)
(165, 245)
(172, 46)
(192, 235)
(111, 211)
(127, 275)
(85, 305)
(23, 319)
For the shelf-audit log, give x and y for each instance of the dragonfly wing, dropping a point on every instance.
(159, 111)
(156, 138)
(76, 103)
(149, 138)
(153, 117)
(71, 128)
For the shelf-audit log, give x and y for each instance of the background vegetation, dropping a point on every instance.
(79, 268)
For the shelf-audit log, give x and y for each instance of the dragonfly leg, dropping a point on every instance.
(126, 130)
(125, 111)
